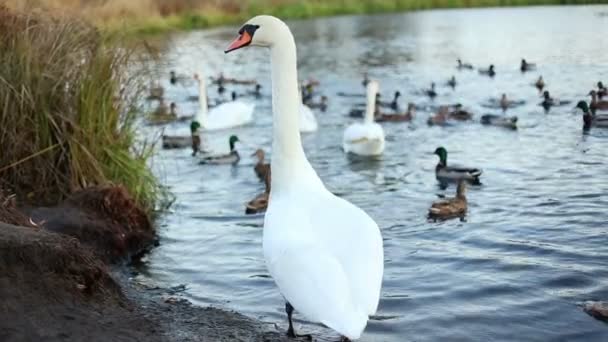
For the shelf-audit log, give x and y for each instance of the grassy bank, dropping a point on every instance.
(156, 16)
(66, 123)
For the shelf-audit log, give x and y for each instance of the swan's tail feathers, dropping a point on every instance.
(352, 326)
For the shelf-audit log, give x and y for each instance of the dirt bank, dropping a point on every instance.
(63, 279)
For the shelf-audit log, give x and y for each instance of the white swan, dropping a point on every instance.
(308, 122)
(366, 138)
(226, 115)
(324, 253)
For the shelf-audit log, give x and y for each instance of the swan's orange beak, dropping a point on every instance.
(241, 41)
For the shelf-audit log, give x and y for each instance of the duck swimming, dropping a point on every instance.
(194, 140)
(397, 117)
(597, 104)
(540, 83)
(431, 92)
(309, 233)
(230, 158)
(450, 207)
(462, 65)
(452, 82)
(525, 66)
(590, 119)
(261, 168)
(460, 114)
(499, 121)
(445, 173)
(260, 203)
(441, 118)
(601, 90)
(489, 72)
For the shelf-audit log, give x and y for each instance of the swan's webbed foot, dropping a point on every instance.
(290, 331)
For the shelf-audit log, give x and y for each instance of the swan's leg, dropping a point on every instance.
(290, 331)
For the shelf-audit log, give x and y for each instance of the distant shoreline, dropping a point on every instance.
(193, 20)
(140, 18)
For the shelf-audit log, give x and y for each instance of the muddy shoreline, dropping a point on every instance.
(65, 275)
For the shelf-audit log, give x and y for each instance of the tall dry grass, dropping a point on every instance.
(65, 123)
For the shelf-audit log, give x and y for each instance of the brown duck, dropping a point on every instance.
(262, 169)
(260, 202)
(397, 117)
(450, 207)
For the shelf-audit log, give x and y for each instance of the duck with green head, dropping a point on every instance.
(445, 173)
(176, 141)
(229, 158)
(589, 118)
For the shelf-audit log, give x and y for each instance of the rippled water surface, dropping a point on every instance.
(534, 242)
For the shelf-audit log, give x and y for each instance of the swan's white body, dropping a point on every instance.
(308, 122)
(324, 253)
(365, 138)
(226, 115)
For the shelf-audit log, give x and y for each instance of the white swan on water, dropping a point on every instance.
(226, 115)
(365, 138)
(324, 253)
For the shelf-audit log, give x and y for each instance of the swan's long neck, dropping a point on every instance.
(371, 105)
(201, 116)
(289, 162)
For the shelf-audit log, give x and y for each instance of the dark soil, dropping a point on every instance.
(57, 282)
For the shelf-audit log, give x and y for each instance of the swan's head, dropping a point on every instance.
(263, 30)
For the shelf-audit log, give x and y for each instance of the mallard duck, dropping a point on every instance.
(261, 168)
(549, 101)
(500, 121)
(590, 119)
(601, 90)
(525, 66)
(157, 92)
(452, 82)
(460, 114)
(464, 65)
(441, 118)
(597, 104)
(230, 158)
(431, 92)
(321, 105)
(260, 202)
(163, 114)
(394, 104)
(194, 140)
(173, 77)
(407, 116)
(540, 83)
(450, 207)
(489, 71)
(445, 173)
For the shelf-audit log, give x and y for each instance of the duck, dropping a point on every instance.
(499, 120)
(232, 157)
(460, 114)
(394, 104)
(365, 80)
(601, 90)
(440, 118)
(225, 115)
(450, 207)
(445, 173)
(597, 104)
(163, 114)
(260, 203)
(462, 65)
(173, 77)
(157, 92)
(525, 66)
(261, 168)
(397, 117)
(590, 119)
(431, 92)
(504, 102)
(175, 142)
(309, 233)
(540, 83)
(488, 72)
(452, 82)
(365, 138)
(321, 105)
(549, 101)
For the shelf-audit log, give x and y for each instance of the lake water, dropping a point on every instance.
(534, 243)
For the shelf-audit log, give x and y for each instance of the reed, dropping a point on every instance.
(154, 16)
(66, 121)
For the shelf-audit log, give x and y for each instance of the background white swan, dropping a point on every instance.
(365, 138)
(308, 122)
(324, 253)
(225, 115)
